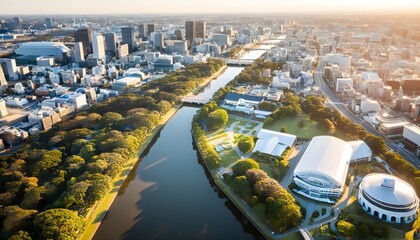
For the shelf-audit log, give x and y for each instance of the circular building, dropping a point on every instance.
(388, 198)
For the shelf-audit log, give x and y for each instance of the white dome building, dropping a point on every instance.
(41, 49)
(388, 198)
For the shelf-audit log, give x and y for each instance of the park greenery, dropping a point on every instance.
(271, 202)
(246, 143)
(254, 73)
(51, 183)
(236, 51)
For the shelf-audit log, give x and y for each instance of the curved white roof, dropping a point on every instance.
(401, 194)
(326, 157)
(41, 49)
(360, 149)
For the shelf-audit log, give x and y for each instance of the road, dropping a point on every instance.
(333, 101)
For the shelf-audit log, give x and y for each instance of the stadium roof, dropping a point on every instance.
(326, 156)
(41, 49)
(389, 189)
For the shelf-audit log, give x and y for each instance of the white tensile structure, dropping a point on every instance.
(322, 171)
(273, 143)
(388, 198)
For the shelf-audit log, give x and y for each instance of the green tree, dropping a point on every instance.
(376, 144)
(217, 119)
(363, 230)
(255, 175)
(21, 235)
(267, 106)
(346, 228)
(246, 144)
(16, 218)
(244, 165)
(59, 223)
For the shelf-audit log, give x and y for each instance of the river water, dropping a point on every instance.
(169, 194)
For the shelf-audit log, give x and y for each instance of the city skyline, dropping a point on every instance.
(218, 6)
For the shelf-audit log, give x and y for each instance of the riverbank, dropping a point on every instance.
(239, 203)
(207, 80)
(100, 209)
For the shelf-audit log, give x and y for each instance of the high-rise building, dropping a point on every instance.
(158, 41)
(142, 31)
(10, 69)
(178, 34)
(79, 54)
(200, 29)
(83, 35)
(17, 23)
(110, 42)
(151, 28)
(3, 82)
(181, 47)
(48, 22)
(98, 47)
(3, 109)
(190, 31)
(127, 37)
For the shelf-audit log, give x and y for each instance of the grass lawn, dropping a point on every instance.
(230, 121)
(309, 129)
(216, 137)
(228, 157)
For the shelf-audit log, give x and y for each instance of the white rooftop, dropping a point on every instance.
(326, 156)
(400, 194)
(360, 149)
(273, 143)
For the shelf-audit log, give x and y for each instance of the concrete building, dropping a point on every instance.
(3, 82)
(98, 47)
(201, 29)
(151, 28)
(411, 134)
(48, 22)
(79, 55)
(343, 83)
(123, 51)
(110, 43)
(321, 172)
(181, 47)
(3, 109)
(222, 40)
(84, 35)
(273, 143)
(190, 31)
(388, 198)
(125, 83)
(127, 37)
(10, 69)
(142, 31)
(158, 42)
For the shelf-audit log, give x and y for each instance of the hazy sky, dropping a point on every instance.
(69, 7)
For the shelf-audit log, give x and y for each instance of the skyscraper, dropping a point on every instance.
(151, 28)
(17, 23)
(142, 31)
(10, 69)
(3, 82)
(190, 31)
(48, 22)
(178, 34)
(98, 47)
(79, 55)
(201, 29)
(127, 37)
(83, 35)
(110, 42)
(158, 40)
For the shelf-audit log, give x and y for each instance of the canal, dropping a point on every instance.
(169, 194)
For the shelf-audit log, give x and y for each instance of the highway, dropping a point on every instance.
(333, 101)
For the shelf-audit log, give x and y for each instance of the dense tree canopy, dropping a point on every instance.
(244, 165)
(59, 223)
(246, 144)
(217, 119)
